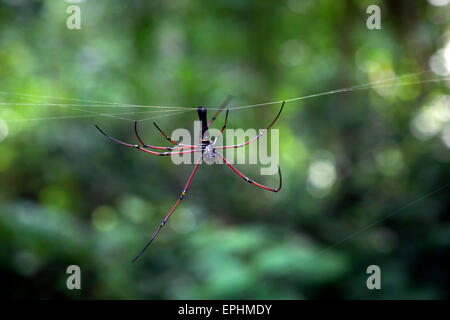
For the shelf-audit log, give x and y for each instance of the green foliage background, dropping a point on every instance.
(69, 196)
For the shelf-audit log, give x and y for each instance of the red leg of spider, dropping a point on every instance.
(183, 193)
(142, 149)
(165, 135)
(223, 128)
(257, 137)
(250, 180)
(154, 147)
(168, 138)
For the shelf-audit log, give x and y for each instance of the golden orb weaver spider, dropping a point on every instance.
(208, 150)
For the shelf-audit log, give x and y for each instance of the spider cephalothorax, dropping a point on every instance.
(208, 145)
(208, 151)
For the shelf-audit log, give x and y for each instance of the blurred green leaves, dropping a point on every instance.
(69, 196)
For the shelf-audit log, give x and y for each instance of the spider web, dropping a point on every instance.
(86, 106)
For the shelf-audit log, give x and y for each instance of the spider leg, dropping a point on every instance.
(257, 137)
(165, 135)
(250, 180)
(141, 148)
(183, 193)
(174, 142)
(224, 104)
(155, 147)
(223, 128)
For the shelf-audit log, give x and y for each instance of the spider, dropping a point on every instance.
(207, 148)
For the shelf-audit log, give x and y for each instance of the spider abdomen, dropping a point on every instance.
(209, 154)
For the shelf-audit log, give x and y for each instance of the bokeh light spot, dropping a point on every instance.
(440, 61)
(292, 53)
(54, 197)
(299, 6)
(184, 222)
(432, 118)
(321, 175)
(389, 161)
(439, 3)
(135, 209)
(104, 218)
